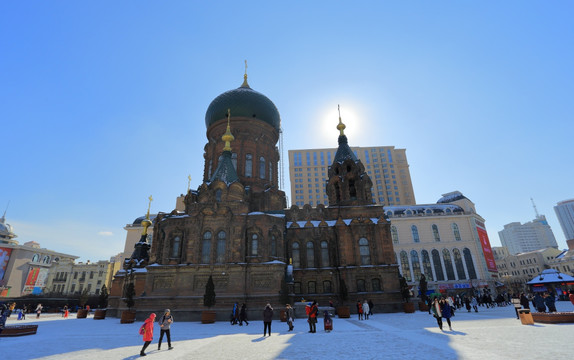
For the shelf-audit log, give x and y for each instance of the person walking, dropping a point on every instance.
(313, 317)
(436, 312)
(164, 324)
(360, 309)
(571, 296)
(474, 304)
(550, 302)
(524, 301)
(267, 318)
(243, 315)
(447, 312)
(289, 312)
(371, 306)
(66, 312)
(39, 310)
(366, 309)
(147, 331)
(538, 302)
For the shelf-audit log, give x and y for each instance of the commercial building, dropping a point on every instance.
(24, 268)
(69, 278)
(515, 270)
(565, 213)
(530, 236)
(387, 167)
(446, 241)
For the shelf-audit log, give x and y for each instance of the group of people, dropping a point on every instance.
(540, 302)
(442, 309)
(239, 315)
(146, 330)
(365, 309)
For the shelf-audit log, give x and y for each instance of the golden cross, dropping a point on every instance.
(245, 67)
(188, 182)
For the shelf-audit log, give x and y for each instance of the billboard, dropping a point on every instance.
(4, 258)
(35, 281)
(485, 244)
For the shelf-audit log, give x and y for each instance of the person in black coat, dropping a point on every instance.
(243, 315)
(524, 301)
(267, 318)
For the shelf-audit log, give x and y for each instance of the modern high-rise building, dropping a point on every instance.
(387, 167)
(565, 213)
(530, 236)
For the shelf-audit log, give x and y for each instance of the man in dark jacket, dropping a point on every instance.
(267, 318)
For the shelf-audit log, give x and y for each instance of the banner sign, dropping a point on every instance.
(485, 244)
(35, 281)
(4, 258)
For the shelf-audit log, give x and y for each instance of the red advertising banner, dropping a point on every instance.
(4, 258)
(486, 249)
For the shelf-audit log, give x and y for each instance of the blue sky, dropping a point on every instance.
(103, 103)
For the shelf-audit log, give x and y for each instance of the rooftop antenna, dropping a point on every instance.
(4, 216)
(535, 209)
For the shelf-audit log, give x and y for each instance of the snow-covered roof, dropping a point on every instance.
(330, 223)
(550, 276)
(430, 209)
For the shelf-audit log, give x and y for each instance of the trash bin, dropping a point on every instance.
(327, 321)
(525, 317)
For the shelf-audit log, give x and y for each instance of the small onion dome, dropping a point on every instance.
(146, 222)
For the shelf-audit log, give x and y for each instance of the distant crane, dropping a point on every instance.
(535, 209)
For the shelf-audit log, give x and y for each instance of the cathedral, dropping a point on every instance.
(236, 228)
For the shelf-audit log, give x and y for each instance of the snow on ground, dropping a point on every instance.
(488, 334)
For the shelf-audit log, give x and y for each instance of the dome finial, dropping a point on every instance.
(147, 222)
(341, 126)
(245, 84)
(228, 136)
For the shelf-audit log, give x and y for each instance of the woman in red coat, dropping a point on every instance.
(147, 332)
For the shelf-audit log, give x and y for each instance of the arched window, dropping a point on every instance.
(248, 165)
(406, 270)
(273, 245)
(469, 263)
(415, 232)
(234, 160)
(210, 166)
(311, 287)
(36, 258)
(206, 248)
(364, 251)
(221, 240)
(46, 259)
(254, 244)
(435, 233)
(218, 195)
(376, 284)
(361, 286)
(458, 264)
(416, 265)
(427, 265)
(262, 167)
(296, 256)
(325, 254)
(448, 264)
(395, 234)
(352, 189)
(310, 255)
(270, 171)
(456, 232)
(176, 245)
(327, 287)
(437, 265)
